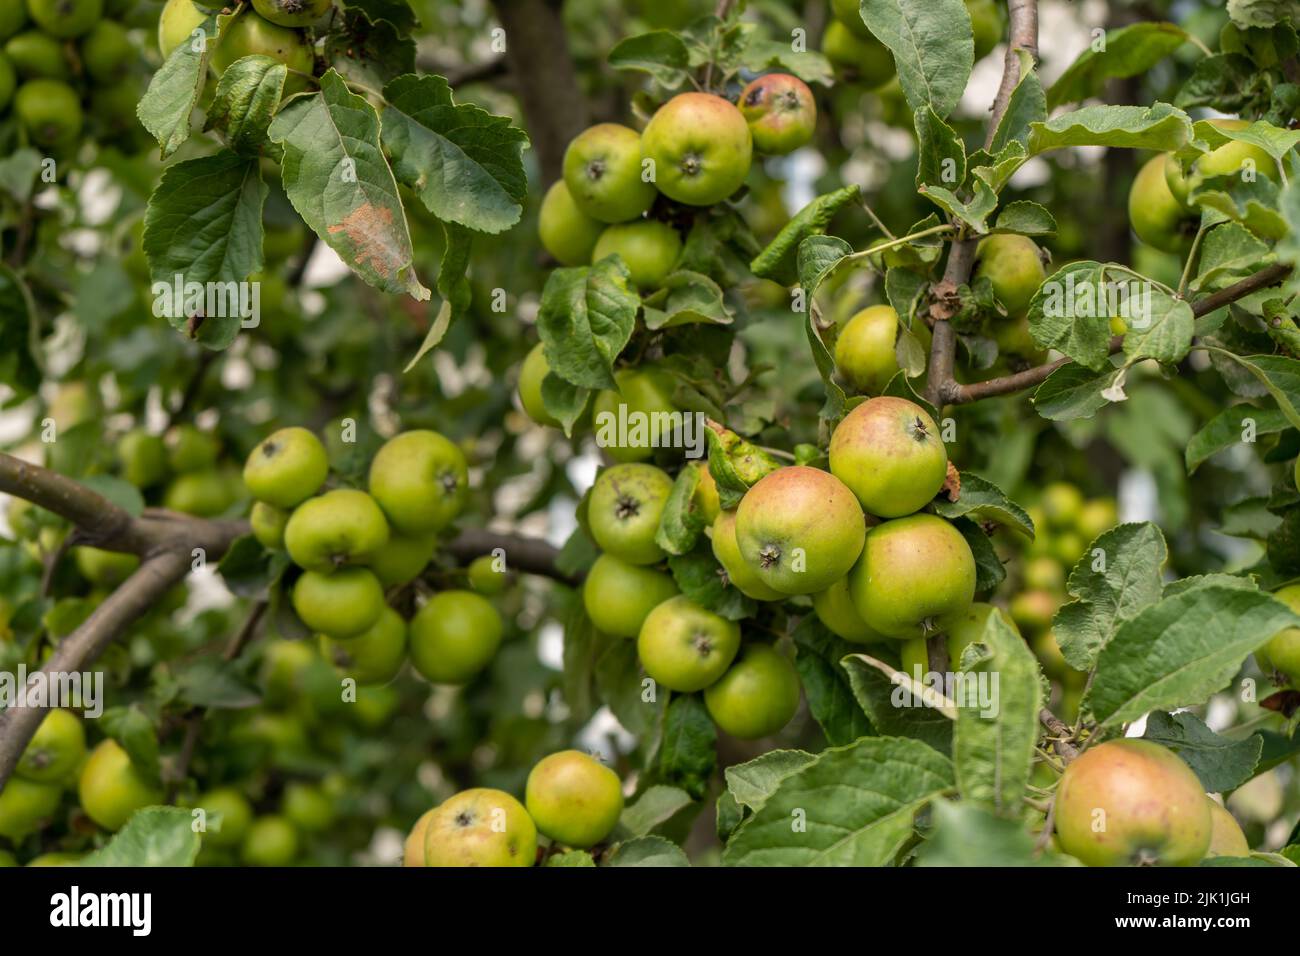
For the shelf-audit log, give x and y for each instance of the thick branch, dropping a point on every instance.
(90, 511)
(1262, 279)
(532, 555)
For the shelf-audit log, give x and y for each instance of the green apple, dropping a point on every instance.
(1235, 158)
(111, 788)
(480, 827)
(342, 604)
(780, 111)
(485, 576)
(618, 596)
(648, 410)
(727, 550)
(701, 148)
(967, 628)
(283, 672)
(1033, 610)
(1062, 504)
(849, 13)
(705, 502)
(142, 458)
(55, 750)
(38, 56)
(602, 170)
(7, 859)
(340, 527)
(307, 807)
(574, 799)
(49, 110)
(757, 695)
(267, 523)
(866, 59)
(250, 35)
(454, 636)
(1280, 656)
(286, 468)
(624, 508)
(65, 18)
(1156, 215)
(1129, 802)
(566, 232)
(888, 451)
(203, 493)
(800, 529)
(106, 52)
(25, 806)
(1096, 517)
(271, 841)
(292, 13)
(864, 351)
(914, 658)
(1226, 836)
(413, 848)
(419, 478)
(532, 373)
(834, 607)
(13, 17)
(403, 559)
(648, 248)
(105, 569)
(236, 815)
(191, 449)
(176, 25)
(916, 576)
(375, 655)
(1044, 574)
(1013, 266)
(685, 647)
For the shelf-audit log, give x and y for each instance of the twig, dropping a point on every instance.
(1061, 741)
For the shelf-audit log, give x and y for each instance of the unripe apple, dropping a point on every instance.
(866, 58)
(1280, 656)
(864, 352)
(1096, 516)
(757, 695)
(727, 550)
(402, 559)
(106, 569)
(646, 394)
(1226, 836)
(1129, 802)
(454, 636)
(191, 449)
(648, 248)
(1012, 264)
(916, 575)
(1235, 158)
(835, 608)
(271, 841)
(618, 596)
(888, 451)
(1044, 574)
(532, 373)
(480, 827)
(485, 576)
(205, 494)
(25, 806)
(780, 111)
(340, 527)
(55, 750)
(413, 848)
(286, 468)
(800, 529)
(236, 816)
(849, 13)
(914, 658)
(574, 799)
(65, 18)
(106, 52)
(179, 20)
(1154, 212)
(375, 655)
(50, 111)
(142, 458)
(1033, 610)
(341, 604)
(38, 56)
(250, 35)
(292, 13)
(1062, 504)
(111, 789)
(624, 509)
(267, 523)
(419, 478)
(701, 148)
(13, 17)
(705, 500)
(685, 647)
(968, 627)
(566, 232)
(602, 170)
(307, 807)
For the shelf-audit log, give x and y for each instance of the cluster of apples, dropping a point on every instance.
(58, 55)
(271, 28)
(696, 151)
(570, 798)
(352, 545)
(233, 830)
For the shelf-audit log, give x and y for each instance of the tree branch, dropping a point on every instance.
(1262, 279)
(532, 555)
(1062, 746)
(1023, 36)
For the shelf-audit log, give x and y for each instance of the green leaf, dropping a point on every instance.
(338, 179)
(619, 685)
(585, 319)
(688, 753)
(778, 261)
(1228, 81)
(19, 171)
(751, 783)
(997, 721)
(1274, 140)
(465, 164)
(1228, 252)
(1222, 764)
(453, 286)
(168, 103)
(1109, 589)
(1164, 331)
(154, 836)
(894, 710)
(245, 101)
(1160, 127)
(661, 53)
(117, 490)
(1065, 314)
(578, 858)
(973, 213)
(966, 834)
(761, 55)
(647, 851)
(686, 298)
(1126, 51)
(1072, 391)
(657, 806)
(818, 653)
(213, 683)
(1233, 426)
(701, 578)
(1026, 107)
(680, 526)
(985, 501)
(933, 47)
(1180, 651)
(941, 155)
(1279, 375)
(989, 570)
(852, 806)
(1024, 218)
(19, 346)
(368, 49)
(1253, 203)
